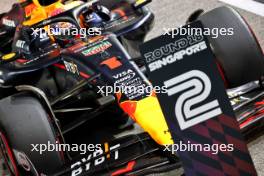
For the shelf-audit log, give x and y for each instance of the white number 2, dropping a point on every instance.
(195, 86)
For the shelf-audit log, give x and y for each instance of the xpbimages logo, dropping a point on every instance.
(187, 30)
(50, 147)
(191, 147)
(72, 31)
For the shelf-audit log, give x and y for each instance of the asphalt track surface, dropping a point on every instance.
(173, 13)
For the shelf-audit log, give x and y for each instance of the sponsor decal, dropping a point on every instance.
(97, 49)
(86, 163)
(71, 67)
(78, 47)
(23, 161)
(8, 22)
(20, 44)
(131, 84)
(124, 76)
(112, 63)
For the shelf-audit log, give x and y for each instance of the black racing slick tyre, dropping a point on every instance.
(238, 53)
(24, 122)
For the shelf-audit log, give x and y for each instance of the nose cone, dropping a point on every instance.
(149, 116)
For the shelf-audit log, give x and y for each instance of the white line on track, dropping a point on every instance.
(249, 5)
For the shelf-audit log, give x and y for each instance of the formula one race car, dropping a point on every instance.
(30, 12)
(51, 88)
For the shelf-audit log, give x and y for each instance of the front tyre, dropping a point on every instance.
(24, 122)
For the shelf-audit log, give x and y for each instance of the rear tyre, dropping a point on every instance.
(240, 54)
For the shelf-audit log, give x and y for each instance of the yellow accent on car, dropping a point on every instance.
(41, 13)
(149, 116)
(138, 2)
(8, 56)
(107, 149)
